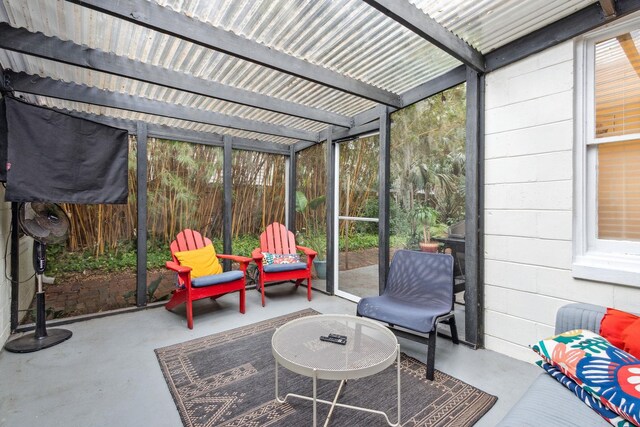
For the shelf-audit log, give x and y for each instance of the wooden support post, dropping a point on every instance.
(292, 187)
(331, 205)
(141, 278)
(228, 199)
(15, 266)
(474, 247)
(384, 183)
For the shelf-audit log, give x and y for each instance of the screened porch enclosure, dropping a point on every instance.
(245, 113)
(188, 184)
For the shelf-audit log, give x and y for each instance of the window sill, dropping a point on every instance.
(601, 267)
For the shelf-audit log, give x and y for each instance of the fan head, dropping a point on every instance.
(45, 222)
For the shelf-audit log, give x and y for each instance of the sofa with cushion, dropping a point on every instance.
(548, 402)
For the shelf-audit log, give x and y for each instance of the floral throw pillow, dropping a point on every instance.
(609, 374)
(270, 258)
(286, 259)
(267, 258)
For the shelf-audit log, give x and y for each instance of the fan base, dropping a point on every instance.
(29, 343)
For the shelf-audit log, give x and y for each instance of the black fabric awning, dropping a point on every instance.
(3, 142)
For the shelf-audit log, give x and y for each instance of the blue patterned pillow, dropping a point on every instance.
(583, 395)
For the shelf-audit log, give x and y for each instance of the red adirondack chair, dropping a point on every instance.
(203, 287)
(280, 241)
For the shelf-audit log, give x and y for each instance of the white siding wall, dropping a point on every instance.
(528, 204)
(27, 285)
(5, 285)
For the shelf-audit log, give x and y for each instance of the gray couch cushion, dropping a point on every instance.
(579, 316)
(549, 403)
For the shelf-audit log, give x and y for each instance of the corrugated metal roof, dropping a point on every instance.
(346, 36)
(489, 24)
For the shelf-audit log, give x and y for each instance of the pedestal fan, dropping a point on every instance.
(47, 223)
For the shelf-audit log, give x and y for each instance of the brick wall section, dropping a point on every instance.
(528, 204)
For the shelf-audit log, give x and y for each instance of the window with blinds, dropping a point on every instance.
(617, 118)
(617, 86)
(606, 214)
(619, 191)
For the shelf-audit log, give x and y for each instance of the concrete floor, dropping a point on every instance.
(362, 282)
(107, 373)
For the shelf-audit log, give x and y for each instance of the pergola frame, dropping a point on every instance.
(338, 127)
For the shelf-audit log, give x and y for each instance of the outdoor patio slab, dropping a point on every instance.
(107, 373)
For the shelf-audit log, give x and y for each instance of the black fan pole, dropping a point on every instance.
(39, 265)
(39, 339)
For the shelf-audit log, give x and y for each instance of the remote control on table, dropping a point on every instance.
(342, 340)
(344, 337)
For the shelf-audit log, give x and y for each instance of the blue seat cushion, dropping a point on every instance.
(276, 268)
(407, 313)
(216, 279)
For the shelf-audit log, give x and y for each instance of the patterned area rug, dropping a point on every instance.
(227, 379)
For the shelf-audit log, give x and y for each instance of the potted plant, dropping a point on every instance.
(427, 217)
(318, 242)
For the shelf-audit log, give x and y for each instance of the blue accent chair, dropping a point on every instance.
(418, 296)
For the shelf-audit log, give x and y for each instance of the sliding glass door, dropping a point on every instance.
(356, 275)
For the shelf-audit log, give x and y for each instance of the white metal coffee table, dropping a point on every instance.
(370, 349)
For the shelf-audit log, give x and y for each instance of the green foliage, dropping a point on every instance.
(425, 215)
(243, 245)
(311, 179)
(317, 202)
(369, 210)
(316, 241)
(359, 241)
(399, 220)
(301, 201)
(428, 156)
(60, 261)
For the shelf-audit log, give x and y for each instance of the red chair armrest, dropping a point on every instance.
(242, 260)
(257, 255)
(307, 251)
(171, 265)
(236, 258)
(257, 258)
(310, 253)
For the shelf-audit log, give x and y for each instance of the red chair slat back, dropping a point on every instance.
(277, 240)
(188, 240)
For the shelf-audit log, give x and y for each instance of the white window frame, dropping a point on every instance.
(612, 261)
